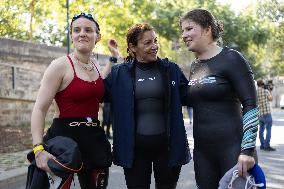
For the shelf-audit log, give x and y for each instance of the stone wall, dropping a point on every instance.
(21, 68)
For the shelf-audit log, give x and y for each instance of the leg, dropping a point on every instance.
(105, 115)
(94, 179)
(85, 179)
(206, 170)
(261, 131)
(268, 125)
(228, 156)
(139, 176)
(190, 114)
(166, 177)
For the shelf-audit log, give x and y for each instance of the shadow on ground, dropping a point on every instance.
(272, 164)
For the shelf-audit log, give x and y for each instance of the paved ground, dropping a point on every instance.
(271, 162)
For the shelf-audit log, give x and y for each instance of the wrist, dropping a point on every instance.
(113, 59)
(38, 147)
(37, 144)
(248, 152)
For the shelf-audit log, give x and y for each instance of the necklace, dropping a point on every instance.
(86, 66)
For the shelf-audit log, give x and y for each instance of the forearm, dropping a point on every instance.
(250, 127)
(113, 48)
(37, 126)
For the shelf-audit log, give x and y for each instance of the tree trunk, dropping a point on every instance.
(32, 10)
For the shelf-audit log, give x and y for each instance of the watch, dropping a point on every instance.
(113, 60)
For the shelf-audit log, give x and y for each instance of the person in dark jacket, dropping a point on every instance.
(106, 122)
(146, 95)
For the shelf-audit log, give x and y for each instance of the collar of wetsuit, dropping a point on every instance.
(146, 66)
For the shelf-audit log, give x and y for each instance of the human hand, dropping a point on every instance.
(42, 158)
(113, 48)
(245, 163)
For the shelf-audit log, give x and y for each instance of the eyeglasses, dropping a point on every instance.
(85, 15)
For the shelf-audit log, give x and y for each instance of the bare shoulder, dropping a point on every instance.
(57, 68)
(59, 63)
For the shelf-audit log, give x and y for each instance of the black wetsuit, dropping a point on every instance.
(151, 145)
(149, 100)
(222, 129)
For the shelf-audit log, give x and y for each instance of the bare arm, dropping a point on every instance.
(49, 86)
(113, 48)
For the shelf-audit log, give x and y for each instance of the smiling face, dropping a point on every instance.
(84, 35)
(194, 36)
(147, 47)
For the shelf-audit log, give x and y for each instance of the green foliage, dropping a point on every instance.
(271, 14)
(257, 32)
(12, 24)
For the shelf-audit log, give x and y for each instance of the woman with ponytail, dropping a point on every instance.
(223, 96)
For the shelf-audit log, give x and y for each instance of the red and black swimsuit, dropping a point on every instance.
(80, 98)
(78, 104)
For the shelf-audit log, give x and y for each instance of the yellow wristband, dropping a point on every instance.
(37, 148)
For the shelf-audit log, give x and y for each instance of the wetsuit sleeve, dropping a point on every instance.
(183, 86)
(241, 78)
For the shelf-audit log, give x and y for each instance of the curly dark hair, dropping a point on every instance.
(134, 34)
(205, 19)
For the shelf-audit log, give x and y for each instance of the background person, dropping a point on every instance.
(265, 118)
(107, 119)
(190, 114)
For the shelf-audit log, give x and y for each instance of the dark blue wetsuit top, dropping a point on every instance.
(149, 99)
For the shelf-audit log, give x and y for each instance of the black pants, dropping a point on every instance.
(151, 152)
(93, 145)
(93, 179)
(212, 161)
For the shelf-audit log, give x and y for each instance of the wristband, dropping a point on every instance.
(113, 60)
(37, 148)
(37, 144)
